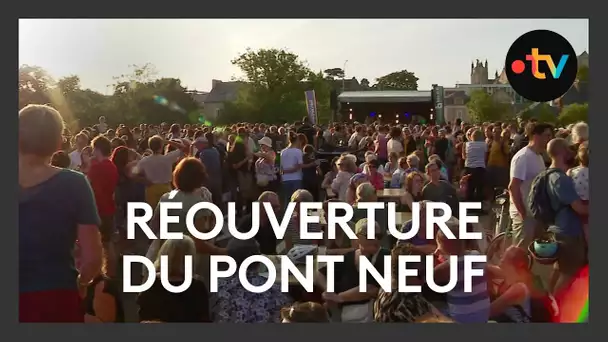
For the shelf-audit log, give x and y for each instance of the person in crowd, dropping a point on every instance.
(498, 160)
(307, 312)
(392, 165)
(373, 175)
(356, 306)
(356, 180)
(265, 237)
(102, 127)
(568, 208)
(380, 145)
(414, 183)
(341, 183)
(526, 164)
(329, 177)
(308, 130)
(265, 172)
(409, 141)
(292, 234)
(292, 161)
(310, 179)
(512, 302)
(192, 305)
(235, 304)
(406, 165)
(86, 156)
(55, 205)
(81, 141)
(210, 157)
(421, 240)
(130, 187)
(341, 244)
(434, 158)
(580, 176)
(437, 190)
(158, 167)
(474, 155)
(103, 177)
(402, 307)
(463, 307)
(394, 144)
(61, 160)
(188, 179)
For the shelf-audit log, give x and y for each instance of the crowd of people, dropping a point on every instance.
(74, 189)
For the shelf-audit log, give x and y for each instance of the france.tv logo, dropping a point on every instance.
(541, 66)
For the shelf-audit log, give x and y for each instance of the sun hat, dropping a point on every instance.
(266, 141)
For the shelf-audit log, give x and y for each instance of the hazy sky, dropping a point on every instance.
(199, 50)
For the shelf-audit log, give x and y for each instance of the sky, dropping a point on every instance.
(196, 51)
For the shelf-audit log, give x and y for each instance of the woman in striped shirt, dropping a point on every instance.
(463, 307)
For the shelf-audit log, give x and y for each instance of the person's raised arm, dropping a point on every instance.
(514, 295)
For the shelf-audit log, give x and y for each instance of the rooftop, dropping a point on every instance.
(380, 96)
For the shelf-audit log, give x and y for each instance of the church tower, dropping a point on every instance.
(479, 72)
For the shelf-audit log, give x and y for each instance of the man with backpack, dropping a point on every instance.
(556, 206)
(526, 164)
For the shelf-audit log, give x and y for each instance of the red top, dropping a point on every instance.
(377, 180)
(103, 176)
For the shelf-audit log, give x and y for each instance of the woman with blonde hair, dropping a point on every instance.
(158, 304)
(346, 169)
(413, 184)
(292, 234)
(55, 205)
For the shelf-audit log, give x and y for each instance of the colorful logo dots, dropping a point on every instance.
(518, 66)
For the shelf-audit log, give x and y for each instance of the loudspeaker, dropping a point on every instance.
(333, 100)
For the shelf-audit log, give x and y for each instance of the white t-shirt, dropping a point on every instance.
(580, 176)
(525, 166)
(394, 146)
(158, 168)
(75, 160)
(102, 127)
(290, 157)
(476, 154)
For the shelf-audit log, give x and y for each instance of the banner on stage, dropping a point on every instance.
(311, 106)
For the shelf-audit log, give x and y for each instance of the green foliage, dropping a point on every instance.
(574, 113)
(275, 84)
(333, 73)
(483, 108)
(132, 101)
(398, 80)
(583, 73)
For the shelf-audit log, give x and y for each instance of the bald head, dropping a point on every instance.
(557, 147)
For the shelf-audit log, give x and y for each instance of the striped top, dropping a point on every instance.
(469, 307)
(475, 154)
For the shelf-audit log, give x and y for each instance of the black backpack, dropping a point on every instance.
(539, 202)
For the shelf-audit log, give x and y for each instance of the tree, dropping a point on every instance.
(583, 73)
(275, 84)
(482, 108)
(34, 83)
(574, 113)
(333, 73)
(399, 80)
(365, 84)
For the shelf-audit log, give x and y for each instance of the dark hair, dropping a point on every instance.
(537, 128)
(292, 137)
(103, 145)
(189, 174)
(120, 158)
(61, 159)
(210, 138)
(307, 312)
